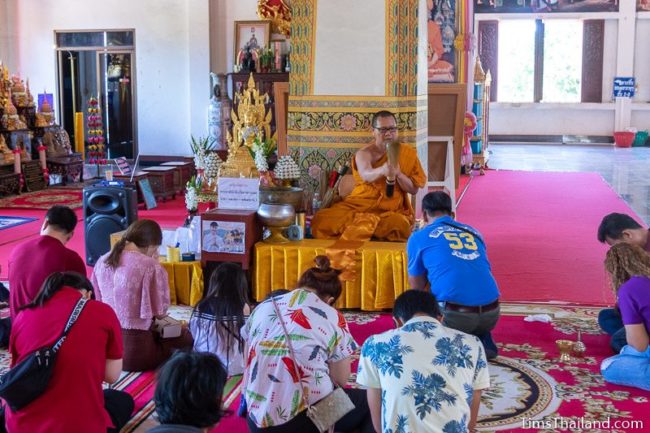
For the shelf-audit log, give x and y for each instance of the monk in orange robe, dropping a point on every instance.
(368, 212)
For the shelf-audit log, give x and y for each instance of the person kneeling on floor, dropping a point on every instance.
(614, 229)
(422, 376)
(629, 268)
(189, 393)
(451, 259)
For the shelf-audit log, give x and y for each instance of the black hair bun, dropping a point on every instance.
(322, 263)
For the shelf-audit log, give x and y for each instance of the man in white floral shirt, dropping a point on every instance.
(423, 376)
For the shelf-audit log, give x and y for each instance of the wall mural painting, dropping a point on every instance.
(527, 6)
(441, 28)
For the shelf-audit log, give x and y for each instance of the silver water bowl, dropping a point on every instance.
(282, 195)
(277, 217)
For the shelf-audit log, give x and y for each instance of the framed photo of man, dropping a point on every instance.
(251, 35)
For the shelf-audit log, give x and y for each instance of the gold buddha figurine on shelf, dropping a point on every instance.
(251, 121)
(7, 154)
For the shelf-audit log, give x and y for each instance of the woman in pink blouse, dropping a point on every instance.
(130, 279)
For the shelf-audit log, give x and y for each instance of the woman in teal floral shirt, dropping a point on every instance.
(323, 351)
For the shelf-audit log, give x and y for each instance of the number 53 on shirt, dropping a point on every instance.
(458, 241)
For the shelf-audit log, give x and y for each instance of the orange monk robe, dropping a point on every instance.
(367, 212)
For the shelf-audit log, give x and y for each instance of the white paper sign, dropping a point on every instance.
(239, 193)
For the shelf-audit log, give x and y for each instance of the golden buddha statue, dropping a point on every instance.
(251, 121)
(7, 154)
(10, 119)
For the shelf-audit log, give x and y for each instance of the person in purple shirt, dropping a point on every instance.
(629, 268)
(616, 228)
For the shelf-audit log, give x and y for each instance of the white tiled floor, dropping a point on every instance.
(626, 170)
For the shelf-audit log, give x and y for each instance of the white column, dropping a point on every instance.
(625, 60)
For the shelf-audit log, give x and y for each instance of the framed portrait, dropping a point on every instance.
(223, 237)
(252, 34)
(441, 52)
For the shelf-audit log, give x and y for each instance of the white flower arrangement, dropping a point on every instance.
(287, 169)
(260, 161)
(191, 195)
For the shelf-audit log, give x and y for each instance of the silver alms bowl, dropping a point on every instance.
(276, 215)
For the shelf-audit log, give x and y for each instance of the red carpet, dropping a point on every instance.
(44, 199)
(170, 214)
(527, 380)
(540, 230)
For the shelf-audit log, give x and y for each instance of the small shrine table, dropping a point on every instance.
(68, 167)
(162, 181)
(183, 175)
(9, 182)
(233, 220)
(126, 178)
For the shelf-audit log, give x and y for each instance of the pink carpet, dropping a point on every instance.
(540, 229)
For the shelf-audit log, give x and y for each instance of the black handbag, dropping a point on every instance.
(27, 380)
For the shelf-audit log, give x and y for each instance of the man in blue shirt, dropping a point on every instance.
(450, 258)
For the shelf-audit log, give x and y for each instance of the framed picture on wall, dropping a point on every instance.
(254, 35)
(442, 30)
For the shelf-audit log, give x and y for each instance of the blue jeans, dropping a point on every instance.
(630, 368)
(611, 322)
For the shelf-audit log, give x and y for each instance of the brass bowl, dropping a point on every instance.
(277, 217)
(282, 195)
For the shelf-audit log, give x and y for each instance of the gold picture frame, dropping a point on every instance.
(257, 33)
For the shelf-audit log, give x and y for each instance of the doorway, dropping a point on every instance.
(99, 64)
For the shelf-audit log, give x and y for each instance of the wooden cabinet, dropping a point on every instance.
(9, 180)
(33, 175)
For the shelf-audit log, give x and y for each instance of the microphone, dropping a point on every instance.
(390, 187)
(392, 154)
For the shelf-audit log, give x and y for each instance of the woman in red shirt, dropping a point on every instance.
(91, 354)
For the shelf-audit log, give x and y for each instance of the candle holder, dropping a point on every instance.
(565, 347)
(579, 347)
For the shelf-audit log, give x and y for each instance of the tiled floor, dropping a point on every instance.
(626, 170)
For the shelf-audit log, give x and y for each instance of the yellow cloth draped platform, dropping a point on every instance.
(185, 282)
(375, 273)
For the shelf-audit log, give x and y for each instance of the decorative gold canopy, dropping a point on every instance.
(251, 121)
(278, 12)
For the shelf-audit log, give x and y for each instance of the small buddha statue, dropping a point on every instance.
(250, 128)
(7, 154)
(47, 112)
(10, 119)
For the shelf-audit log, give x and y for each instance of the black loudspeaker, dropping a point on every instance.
(107, 210)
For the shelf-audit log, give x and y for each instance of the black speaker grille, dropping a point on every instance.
(101, 226)
(107, 210)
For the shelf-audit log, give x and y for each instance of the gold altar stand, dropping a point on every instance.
(376, 273)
